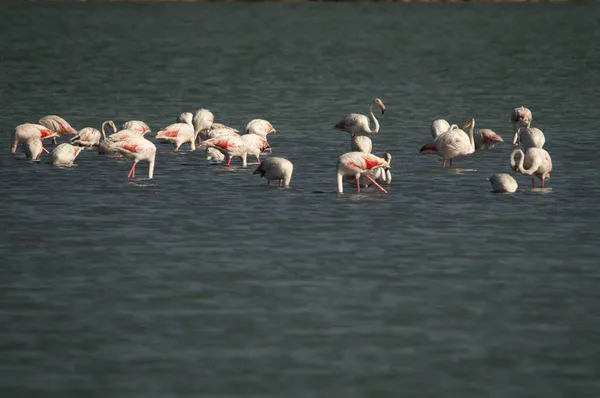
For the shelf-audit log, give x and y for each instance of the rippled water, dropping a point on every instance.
(206, 282)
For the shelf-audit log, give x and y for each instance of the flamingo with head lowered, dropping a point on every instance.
(520, 117)
(276, 169)
(503, 183)
(534, 162)
(58, 124)
(357, 164)
(230, 146)
(139, 149)
(178, 134)
(136, 125)
(65, 154)
(27, 131)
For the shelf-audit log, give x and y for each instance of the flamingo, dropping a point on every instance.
(139, 149)
(229, 146)
(26, 131)
(58, 124)
(357, 124)
(530, 137)
(255, 145)
(534, 162)
(355, 164)
(381, 175)
(453, 143)
(520, 117)
(259, 127)
(105, 146)
(185, 117)
(178, 134)
(65, 154)
(136, 125)
(87, 137)
(503, 183)
(32, 148)
(276, 169)
(212, 154)
(361, 143)
(486, 139)
(215, 131)
(202, 121)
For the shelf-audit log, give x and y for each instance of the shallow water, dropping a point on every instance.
(206, 282)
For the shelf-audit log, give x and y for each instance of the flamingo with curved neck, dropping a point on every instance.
(356, 124)
(534, 162)
(453, 143)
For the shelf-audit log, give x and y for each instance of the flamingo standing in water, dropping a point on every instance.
(255, 145)
(356, 164)
(534, 162)
(33, 149)
(87, 137)
(530, 137)
(520, 117)
(178, 134)
(65, 154)
(26, 131)
(453, 143)
(202, 120)
(356, 124)
(58, 124)
(484, 138)
(136, 125)
(139, 149)
(229, 146)
(276, 169)
(381, 175)
(503, 183)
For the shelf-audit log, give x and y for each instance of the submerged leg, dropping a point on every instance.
(450, 162)
(131, 171)
(279, 182)
(376, 184)
(228, 161)
(358, 184)
(444, 163)
(257, 158)
(543, 181)
(45, 150)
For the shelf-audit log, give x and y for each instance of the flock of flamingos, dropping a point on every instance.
(358, 168)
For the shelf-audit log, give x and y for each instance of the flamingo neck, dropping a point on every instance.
(516, 136)
(374, 119)
(103, 133)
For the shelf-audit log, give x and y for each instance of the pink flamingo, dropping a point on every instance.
(58, 124)
(229, 146)
(355, 164)
(65, 154)
(26, 131)
(178, 134)
(136, 125)
(139, 149)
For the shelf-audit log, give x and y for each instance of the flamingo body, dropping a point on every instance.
(202, 120)
(185, 117)
(26, 131)
(230, 146)
(259, 127)
(139, 149)
(355, 164)
(357, 124)
(503, 183)
(438, 127)
(65, 154)
(361, 143)
(32, 148)
(532, 137)
(452, 144)
(382, 175)
(58, 124)
(178, 134)
(255, 144)
(276, 168)
(136, 125)
(486, 139)
(534, 162)
(219, 132)
(87, 137)
(212, 154)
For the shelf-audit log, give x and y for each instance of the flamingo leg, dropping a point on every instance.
(228, 161)
(54, 140)
(257, 158)
(450, 162)
(444, 163)
(543, 182)
(532, 183)
(132, 171)
(279, 182)
(358, 184)
(45, 150)
(376, 184)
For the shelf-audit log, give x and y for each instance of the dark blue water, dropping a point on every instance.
(206, 282)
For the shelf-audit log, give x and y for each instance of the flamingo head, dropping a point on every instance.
(468, 124)
(427, 148)
(380, 104)
(112, 125)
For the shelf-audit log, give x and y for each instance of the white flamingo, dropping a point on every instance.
(185, 117)
(259, 127)
(65, 154)
(438, 126)
(520, 117)
(361, 143)
(255, 145)
(534, 162)
(216, 131)
(178, 134)
(357, 124)
(105, 146)
(87, 137)
(276, 169)
(32, 148)
(230, 146)
(58, 124)
(202, 120)
(356, 164)
(139, 149)
(530, 137)
(212, 154)
(503, 183)
(26, 131)
(486, 139)
(453, 143)
(136, 125)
